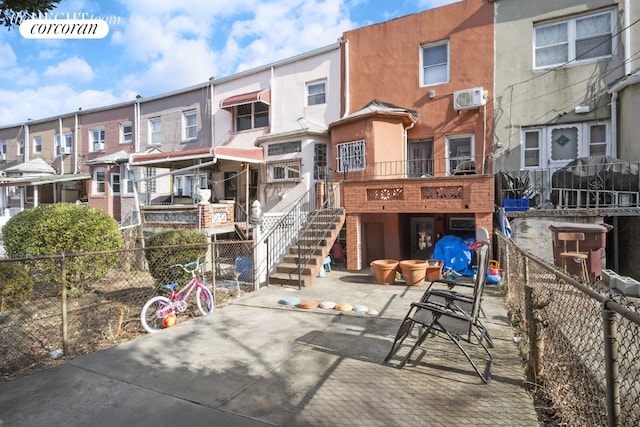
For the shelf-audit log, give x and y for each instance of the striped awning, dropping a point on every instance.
(263, 96)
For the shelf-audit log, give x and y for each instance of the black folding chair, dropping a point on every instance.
(450, 314)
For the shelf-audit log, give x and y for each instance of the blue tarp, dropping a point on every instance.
(455, 253)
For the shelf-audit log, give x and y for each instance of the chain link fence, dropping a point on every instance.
(581, 342)
(65, 316)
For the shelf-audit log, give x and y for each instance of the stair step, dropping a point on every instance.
(286, 279)
(292, 268)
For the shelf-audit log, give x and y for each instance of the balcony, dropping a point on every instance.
(419, 186)
(600, 183)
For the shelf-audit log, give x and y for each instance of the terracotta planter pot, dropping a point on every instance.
(384, 270)
(414, 271)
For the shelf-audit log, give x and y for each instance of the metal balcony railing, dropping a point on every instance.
(582, 186)
(418, 168)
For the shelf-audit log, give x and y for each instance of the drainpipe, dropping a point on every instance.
(347, 98)
(211, 112)
(76, 166)
(614, 123)
(61, 149)
(627, 37)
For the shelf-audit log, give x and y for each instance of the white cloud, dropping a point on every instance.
(7, 56)
(46, 101)
(73, 68)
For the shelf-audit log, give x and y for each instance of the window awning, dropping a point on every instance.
(168, 158)
(263, 96)
(24, 181)
(249, 155)
(110, 159)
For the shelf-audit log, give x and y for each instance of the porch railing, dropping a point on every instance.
(584, 186)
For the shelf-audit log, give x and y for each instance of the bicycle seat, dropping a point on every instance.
(170, 286)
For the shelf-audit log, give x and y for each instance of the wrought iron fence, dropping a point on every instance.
(600, 182)
(64, 316)
(581, 342)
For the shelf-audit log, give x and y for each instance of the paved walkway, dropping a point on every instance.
(257, 362)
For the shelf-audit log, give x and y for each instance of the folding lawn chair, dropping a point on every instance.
(449, 314)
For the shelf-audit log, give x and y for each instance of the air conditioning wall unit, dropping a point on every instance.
(469, 98)
(65, 150)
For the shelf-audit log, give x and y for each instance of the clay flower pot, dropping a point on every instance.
(414, 271)
(384, 270)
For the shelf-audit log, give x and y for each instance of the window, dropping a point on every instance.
(284, 148)
(126, 132)
(115, 183)
(598, 140)
(460, 154)
(155, 131)
(37, 144)
(21, 147)
(251, 116)
(435, 63)
(190, 125)
(420, 157)
(68, 143)
(151, 182)
(129, 181)
(97, 139)
(532, 148)
(186, 185)
(320, 161)
(351, 156)
(316, 93)
(3, 150)
(576, 39)
(284, 171)
(98, 181)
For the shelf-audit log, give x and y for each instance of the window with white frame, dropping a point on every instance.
(531, 148)
(320, 161)
(115, 183)
(129, 181)
(317, 93)
(37, 144)
(580, 38)
(96, 137)
(3, 150)
(99, 180)
(351, 156)
(126, 133)
(66, 147)
(282, 171)
(435, 63)
(21, 147)
(187, 185)
(460, 154)
(556, 145)
(155, 131)
(189, 125)
(251, 116)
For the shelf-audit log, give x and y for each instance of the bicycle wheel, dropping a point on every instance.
(150, 321)
(204, 300)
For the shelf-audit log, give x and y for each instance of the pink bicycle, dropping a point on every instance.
(160, 311)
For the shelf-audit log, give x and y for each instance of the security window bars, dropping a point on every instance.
(351, 156)
(319, 161)
(284, 171)
(435, 63)
(573, 40)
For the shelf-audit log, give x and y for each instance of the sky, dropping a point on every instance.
(157, 46)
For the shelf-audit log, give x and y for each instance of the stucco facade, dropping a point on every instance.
(402, 121)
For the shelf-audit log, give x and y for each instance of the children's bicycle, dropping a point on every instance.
(160, 311)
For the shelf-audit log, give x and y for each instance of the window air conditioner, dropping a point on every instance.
(65, 150)
(469, 98)
(98, 146)
(3, 157)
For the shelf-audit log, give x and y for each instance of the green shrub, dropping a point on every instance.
(64, 228)
(15, 285)
(171, 247)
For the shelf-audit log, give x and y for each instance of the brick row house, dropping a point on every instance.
(414, 116)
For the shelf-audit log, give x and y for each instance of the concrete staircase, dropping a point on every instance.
(317, 240)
